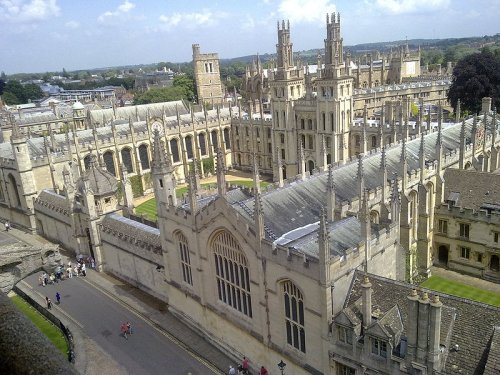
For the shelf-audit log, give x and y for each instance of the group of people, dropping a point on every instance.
(244, 368)
(126, 329)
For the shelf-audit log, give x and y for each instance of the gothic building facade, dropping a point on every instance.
(289, 272)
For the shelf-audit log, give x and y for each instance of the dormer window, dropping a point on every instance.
(379, 347)
(345, 335)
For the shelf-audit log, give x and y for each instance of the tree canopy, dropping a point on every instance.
(15, 93)
(474, 77)
(183, 88)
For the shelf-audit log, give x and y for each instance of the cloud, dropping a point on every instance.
(305, 11)
(28, 11)
(190, 20)
(122, 10)
(72, 25)
(411, 6)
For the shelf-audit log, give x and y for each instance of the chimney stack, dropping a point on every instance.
(434, 334)
(486, 105)
(423, 327)
(367, 301)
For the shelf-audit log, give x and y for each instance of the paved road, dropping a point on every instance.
(147, 350)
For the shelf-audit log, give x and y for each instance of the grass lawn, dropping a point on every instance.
(148, 208)
(53, 333)
(461, 290)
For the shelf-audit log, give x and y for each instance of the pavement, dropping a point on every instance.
(91, 358)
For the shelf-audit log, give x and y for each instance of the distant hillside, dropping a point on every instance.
(464, 45)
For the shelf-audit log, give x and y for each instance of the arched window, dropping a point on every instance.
(185, 258)
(231, 268)
(294, 316)
(189, 146)
(310, 165)
(174, 149)
(357, 140)
(109, 162)
(374, 141)
(282, 138)
(302, 124)
(202, 144)
(215, 142)
(310, 124)
(15, 190)
(374, 217)
(143, 156)
(127, 160)
(86, 162)
(227, 138)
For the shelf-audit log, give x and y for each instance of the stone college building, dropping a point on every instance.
(312, 270)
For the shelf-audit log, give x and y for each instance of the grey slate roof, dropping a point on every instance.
(298, 204)
(474, 188)
(493, 362)
(132, 230)
(469, 324)
(138, 112)
(101, 182)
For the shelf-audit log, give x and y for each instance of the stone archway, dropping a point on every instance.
(443, 254)
(495, 263)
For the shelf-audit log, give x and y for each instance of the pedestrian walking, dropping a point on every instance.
(7, 226)
(49, 303)
(245, 366)
(129, 328)
(263, 370)
(232, 371)
(70, 272)
(84, 270)
(123, 329)
(58, 298)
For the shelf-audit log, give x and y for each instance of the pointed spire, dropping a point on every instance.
(160, 162)
(192, 192)
(259, 216)
(279, 166)
(422, 157)
(221, 173)
(395, 202)
(324, 247)
(256, 177)
(16, 131)
(331, 195)
(302, 162)
(361, 176)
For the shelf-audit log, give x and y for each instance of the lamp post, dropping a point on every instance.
(281, 366)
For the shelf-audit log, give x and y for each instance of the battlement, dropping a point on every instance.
(469, 213)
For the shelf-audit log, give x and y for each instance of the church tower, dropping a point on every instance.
(335, 89)
(207, 76)
(286, 85)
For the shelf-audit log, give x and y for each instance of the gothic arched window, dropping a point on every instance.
(127, 160)
(231, 269)
(15, 190)
(174, 149)
(189, 146)
(109, 162)
(143, 156)
(227, 138)
(185, 258)
(294, 316)
(202, 144)
(215, 142)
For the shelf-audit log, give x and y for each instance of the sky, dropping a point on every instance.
(49, 35)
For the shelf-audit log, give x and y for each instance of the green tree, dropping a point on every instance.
(32, 92)
(159, 95)
(186, 83)
(9, 98)
(65, 73)
(2, 86)
(474, 77)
